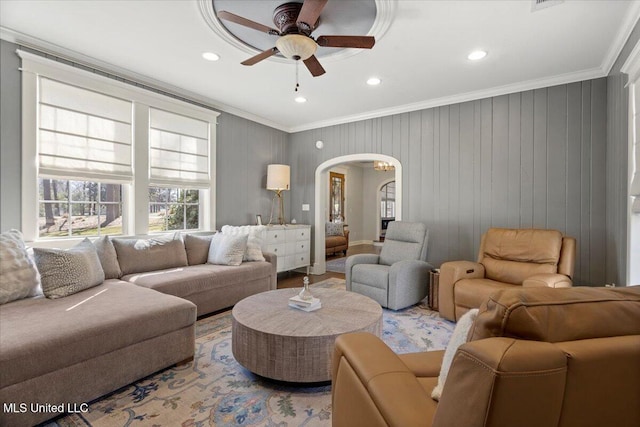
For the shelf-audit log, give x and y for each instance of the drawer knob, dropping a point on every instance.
(275, 250)
(275, 235)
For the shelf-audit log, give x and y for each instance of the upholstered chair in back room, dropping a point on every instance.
(399, 276)
(506, 258)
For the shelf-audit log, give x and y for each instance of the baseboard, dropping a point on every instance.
(361, 242)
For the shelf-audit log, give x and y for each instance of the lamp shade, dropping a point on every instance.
(278, 177)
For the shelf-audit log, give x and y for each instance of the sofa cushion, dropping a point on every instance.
(40, 335)
(18, 274)
(156, 253)
(255, 239)
(333, 241)
(197, 248)
(334, 229)
(555, 315)
(512, 255)
(376, 275)
(227, 249)
(459, 337)
(108, 257)
(194, 279)
(66, 272)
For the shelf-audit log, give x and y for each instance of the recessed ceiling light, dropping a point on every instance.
(210, 56)
(374, 81)
(301, 99)
(477, 54)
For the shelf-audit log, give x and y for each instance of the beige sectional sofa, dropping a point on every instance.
(71, 350)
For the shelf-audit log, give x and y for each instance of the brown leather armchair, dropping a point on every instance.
(535, 357)
(507, 257)
(335, 244)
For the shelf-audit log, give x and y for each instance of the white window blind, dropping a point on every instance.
(178, 150)
(83, 134)
(634, 188)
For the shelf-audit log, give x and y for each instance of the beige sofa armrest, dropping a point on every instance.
(273, 259)
(549, 280)
(450, 273)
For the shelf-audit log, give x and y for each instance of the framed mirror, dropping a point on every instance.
(336, 197)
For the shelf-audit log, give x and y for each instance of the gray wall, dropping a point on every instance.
(10, 137)
(530, 159)
(244, 148)
(617, 165)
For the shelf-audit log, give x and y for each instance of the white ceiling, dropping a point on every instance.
(421, 58)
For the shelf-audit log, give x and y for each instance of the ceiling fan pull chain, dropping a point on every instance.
(297, 66)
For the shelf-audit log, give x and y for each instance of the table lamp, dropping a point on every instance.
(278, 179)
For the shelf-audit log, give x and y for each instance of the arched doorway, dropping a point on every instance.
(321, 197)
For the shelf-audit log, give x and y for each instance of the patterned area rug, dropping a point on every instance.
(337, 265)
(214, 390)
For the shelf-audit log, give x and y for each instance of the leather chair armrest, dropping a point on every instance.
(548, 280)
(373, 387)
(357, 259)
(450, 273)
(496, 369)
(346, 235)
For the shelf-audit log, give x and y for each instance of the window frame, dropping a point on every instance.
(135, 197)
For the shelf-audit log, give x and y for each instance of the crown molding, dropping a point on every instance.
(629, 23)
(593, 73)
(43, 46)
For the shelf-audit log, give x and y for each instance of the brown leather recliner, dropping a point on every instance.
(536, 358)
(507, 257)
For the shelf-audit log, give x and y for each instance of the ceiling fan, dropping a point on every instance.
(295, 22)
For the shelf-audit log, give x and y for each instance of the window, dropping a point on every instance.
(79, 208)
(173, 209)
(106, 152)
(388, 200)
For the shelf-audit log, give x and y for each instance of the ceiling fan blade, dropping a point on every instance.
(310, 13)
(259, 57)
(358, 42)
(232, 17)
(313, 65)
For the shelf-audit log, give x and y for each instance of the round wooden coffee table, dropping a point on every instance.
(276, 341)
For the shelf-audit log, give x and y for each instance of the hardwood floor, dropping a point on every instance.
(292, 279)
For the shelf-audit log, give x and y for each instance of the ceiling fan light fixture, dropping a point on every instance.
(296, 46)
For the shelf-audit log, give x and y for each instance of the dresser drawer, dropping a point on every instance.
(302, 246)
(303, 234)
(300, 260)
(275, 237)
(278, 249)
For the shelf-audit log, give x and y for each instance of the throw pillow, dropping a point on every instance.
(197, 248)
(66, 272)
(18, 274)
(255, 240)
(108, 257)
(458, 338)
(334, 229)
(156, 253)
(227, 249)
